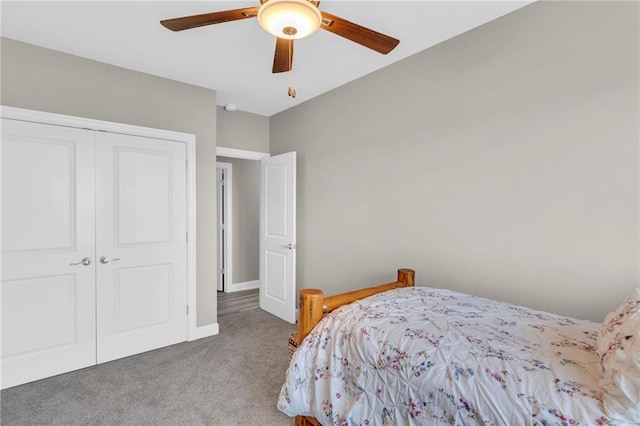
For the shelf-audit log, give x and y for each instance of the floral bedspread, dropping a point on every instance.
(422, 356)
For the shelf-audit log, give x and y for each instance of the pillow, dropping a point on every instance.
(619, 361)
(612, 322)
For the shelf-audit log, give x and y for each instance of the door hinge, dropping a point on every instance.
(222, 271)
(187, 309)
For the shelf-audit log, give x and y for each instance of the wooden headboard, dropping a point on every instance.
(313, 305)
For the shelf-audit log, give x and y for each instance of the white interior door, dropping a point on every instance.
(141, 241)
(278, 236)
(48, 294)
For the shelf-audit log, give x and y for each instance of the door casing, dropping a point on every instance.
(225, 244)
(244, 155)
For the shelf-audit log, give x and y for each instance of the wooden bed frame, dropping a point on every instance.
(313, 305)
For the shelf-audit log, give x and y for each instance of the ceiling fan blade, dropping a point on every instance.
(283, 58)
(194, 21)
(366, 37)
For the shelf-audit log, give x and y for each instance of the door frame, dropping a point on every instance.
(193, 331)
(222, 151)
(228, 225)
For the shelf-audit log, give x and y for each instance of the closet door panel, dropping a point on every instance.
(48, 223)
(142, 193)
(141, 233)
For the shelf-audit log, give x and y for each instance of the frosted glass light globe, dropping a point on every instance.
(289, 18)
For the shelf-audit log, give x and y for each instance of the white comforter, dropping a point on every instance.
(421, 356)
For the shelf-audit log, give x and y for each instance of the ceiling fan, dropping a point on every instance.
(289, 20)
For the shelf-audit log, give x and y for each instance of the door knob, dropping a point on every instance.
(290, 246)
(85, 262)
(106, 260)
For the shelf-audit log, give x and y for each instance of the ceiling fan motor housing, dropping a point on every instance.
(292, 19)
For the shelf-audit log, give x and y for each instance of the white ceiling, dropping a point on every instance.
(235, 58)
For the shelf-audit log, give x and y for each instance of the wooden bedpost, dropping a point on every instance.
(406, 276)
(310, 311)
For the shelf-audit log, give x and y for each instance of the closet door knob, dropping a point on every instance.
(106, 260)
(85, 262)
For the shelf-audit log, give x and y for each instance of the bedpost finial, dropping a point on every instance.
(406, 276)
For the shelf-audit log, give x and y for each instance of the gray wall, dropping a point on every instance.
(45, 80)
(243, 130)
(245, 219)
(502, 163)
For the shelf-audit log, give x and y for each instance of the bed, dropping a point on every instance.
(398, 354)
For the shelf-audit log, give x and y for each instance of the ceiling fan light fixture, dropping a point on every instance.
(289, 18)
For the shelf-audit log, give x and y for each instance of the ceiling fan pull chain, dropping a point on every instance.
(292, 90)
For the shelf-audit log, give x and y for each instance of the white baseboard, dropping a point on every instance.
(204, 331)
(247, 285)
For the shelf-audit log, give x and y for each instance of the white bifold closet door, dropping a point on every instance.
(93, 248)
